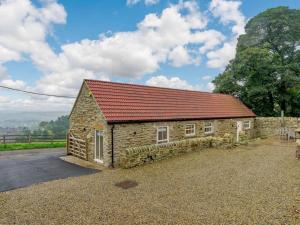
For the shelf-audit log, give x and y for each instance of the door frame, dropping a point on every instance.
(239, 129)
(95, 146)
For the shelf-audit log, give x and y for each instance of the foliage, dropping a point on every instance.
(265, 73)
(58, 127)
(36, 145)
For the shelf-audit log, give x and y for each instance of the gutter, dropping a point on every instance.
(112, 146)
(181, 119)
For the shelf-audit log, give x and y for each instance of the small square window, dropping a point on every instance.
(190, 129)
(162, 135)
(246, 125)
(208, 128)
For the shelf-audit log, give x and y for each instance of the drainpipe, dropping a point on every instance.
(112, 146)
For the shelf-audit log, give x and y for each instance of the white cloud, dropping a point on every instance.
(177, 36)
(23, 27)
(68, 85)
(23, 31)
(132, 2)
(8, 55)
(206, 77)
(112, 55)
(147, 2)
(210, 87)
(3, 99)
(179, 56)
(172, 82)
(131, 54)
(228, 12)
(158, 39)
(35, 104)
(219, 58)
(151, 2)
(3, 73)
(19, 84)
(6, 80)
(178, 83)
(210, 38)
(194, 17)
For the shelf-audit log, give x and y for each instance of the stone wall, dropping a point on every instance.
(145, 134)
(136, 156)
(84, 119)
(270, 126)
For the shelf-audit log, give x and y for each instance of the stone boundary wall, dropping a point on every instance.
(270, 126)
(136, 156)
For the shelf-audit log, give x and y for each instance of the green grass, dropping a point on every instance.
(34, 145)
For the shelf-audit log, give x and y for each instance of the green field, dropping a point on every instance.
(34, 145)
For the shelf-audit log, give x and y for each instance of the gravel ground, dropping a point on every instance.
(254, 184)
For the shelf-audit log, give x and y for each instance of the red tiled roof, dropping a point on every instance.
(121, 102)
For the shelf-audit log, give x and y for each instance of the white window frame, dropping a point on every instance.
(95, 147)
(248, 126)
(193, 127)
(211, 127)
(157, 132)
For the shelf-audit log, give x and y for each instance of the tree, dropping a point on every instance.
(58, 127)
(265, 73)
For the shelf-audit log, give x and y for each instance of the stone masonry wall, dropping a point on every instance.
(133, 135)
(270, 126)
(136, 156)
(85, 118)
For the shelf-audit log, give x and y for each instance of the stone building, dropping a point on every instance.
(111, 122)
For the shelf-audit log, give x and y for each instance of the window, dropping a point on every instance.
(190, 130)
(208, 128)
(246, 125)
(162, 135)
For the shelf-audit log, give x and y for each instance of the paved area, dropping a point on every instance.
(24, 168)
(258, 184)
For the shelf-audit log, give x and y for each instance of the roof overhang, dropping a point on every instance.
(176, 119)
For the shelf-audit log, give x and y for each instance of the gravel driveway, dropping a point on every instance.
(26, 167)
(255, 184)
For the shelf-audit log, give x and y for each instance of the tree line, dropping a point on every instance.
(57, 128)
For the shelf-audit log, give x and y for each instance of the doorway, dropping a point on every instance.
(99, 145)
(239, 128)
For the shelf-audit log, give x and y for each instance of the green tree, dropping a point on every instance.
(265, 73)
(58, 127)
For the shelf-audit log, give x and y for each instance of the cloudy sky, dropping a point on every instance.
(50, 46)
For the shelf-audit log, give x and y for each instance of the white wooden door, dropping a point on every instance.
(99, 145)
(239, 128)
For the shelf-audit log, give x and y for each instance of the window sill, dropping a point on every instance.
(161, 143)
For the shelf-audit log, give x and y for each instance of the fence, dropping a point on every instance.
(12, 138)
(77, 147)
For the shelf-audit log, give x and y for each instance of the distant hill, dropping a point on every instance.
(27, 119)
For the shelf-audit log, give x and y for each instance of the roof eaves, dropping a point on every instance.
(174, 119)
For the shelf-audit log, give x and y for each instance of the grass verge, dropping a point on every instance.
(35, 145)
